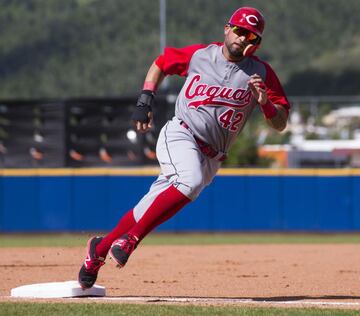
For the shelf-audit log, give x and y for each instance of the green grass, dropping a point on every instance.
(75, 240)
(61, 309)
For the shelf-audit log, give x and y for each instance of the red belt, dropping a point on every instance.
(205, 148)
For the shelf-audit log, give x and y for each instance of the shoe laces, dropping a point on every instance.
(93, 264)
(127, 244)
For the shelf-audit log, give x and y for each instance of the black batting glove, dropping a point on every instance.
(143, 107)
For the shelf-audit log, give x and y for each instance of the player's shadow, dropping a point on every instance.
(254, 299)
(301, 297)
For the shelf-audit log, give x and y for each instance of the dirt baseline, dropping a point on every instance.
(258, 272)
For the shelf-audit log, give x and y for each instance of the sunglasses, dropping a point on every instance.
(249, 36)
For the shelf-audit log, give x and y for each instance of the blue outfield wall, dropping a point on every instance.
(75, 200)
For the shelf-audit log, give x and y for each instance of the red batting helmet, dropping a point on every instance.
(250, 19)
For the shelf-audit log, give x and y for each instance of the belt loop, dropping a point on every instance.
(220, 156)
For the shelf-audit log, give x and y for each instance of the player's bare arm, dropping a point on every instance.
(276, 116)
(142, 115)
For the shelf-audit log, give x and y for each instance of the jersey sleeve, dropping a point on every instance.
(175, 61)
(274, 89)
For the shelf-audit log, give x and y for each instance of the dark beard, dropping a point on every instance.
(236, 53)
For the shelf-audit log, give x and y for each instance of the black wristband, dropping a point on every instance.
(146, 98)
(143, 107)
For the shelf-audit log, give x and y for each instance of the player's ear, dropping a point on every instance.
(226, 29)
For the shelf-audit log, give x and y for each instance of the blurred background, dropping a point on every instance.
(70, 72)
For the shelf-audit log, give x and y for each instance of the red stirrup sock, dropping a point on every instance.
(169, 214)
(125, 223)
(166, 205)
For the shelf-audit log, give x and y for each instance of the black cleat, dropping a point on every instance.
(89, 270)
(122, 248)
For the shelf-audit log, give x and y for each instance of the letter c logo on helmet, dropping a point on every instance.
(252, 20)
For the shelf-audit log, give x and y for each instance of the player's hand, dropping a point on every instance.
(142, 115)
(144, 127)
(258, 89)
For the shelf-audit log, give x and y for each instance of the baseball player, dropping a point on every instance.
(224, 83)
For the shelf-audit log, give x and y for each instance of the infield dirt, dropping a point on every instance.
(261, 272)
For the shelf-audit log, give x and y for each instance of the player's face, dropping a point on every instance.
(236, 39)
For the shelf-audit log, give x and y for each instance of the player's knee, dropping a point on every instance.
(192, 185)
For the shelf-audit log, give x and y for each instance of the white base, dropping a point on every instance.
(56, 290)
